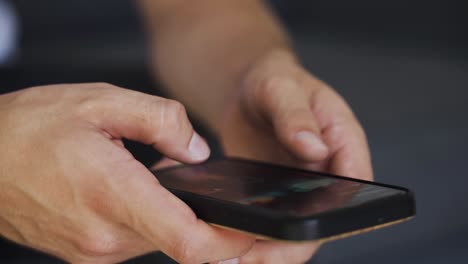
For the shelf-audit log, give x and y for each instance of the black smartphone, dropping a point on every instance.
(284, 203)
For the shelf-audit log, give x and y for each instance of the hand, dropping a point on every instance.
(283, 114)
(68, 186)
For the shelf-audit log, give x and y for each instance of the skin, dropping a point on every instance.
(68, 186)
(229, 62)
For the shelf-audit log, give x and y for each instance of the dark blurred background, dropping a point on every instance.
(402, 65)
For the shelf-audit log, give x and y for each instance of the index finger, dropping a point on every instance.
(151, 120)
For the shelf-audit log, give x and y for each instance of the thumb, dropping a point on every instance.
(288, 109)
(170, 225)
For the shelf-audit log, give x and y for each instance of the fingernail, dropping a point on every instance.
(198, 148)
(230, 261)
(310, 140)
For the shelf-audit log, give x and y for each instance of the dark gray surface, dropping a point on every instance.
(406, 82)
(413, 105)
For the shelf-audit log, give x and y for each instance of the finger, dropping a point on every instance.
(352, 158)
(345, 137)
(287, 106)
(153, 120)
(164, 163)
(125, 244)
(172, 226)
(280, 252)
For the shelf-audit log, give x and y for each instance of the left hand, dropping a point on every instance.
(283, 114)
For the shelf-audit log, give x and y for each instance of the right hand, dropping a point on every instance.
(68, 186)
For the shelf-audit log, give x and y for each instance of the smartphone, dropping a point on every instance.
(277, 202)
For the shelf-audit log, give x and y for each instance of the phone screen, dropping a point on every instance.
(296, 192)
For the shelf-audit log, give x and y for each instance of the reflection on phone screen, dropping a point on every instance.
(293, 191)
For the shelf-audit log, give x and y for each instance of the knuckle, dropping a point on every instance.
(173, 118)
(87, 105)
(174, 110)
(98, 201)
(95, 244)
(268, 86)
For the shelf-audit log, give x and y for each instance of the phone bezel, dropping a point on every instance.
(284, 226)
